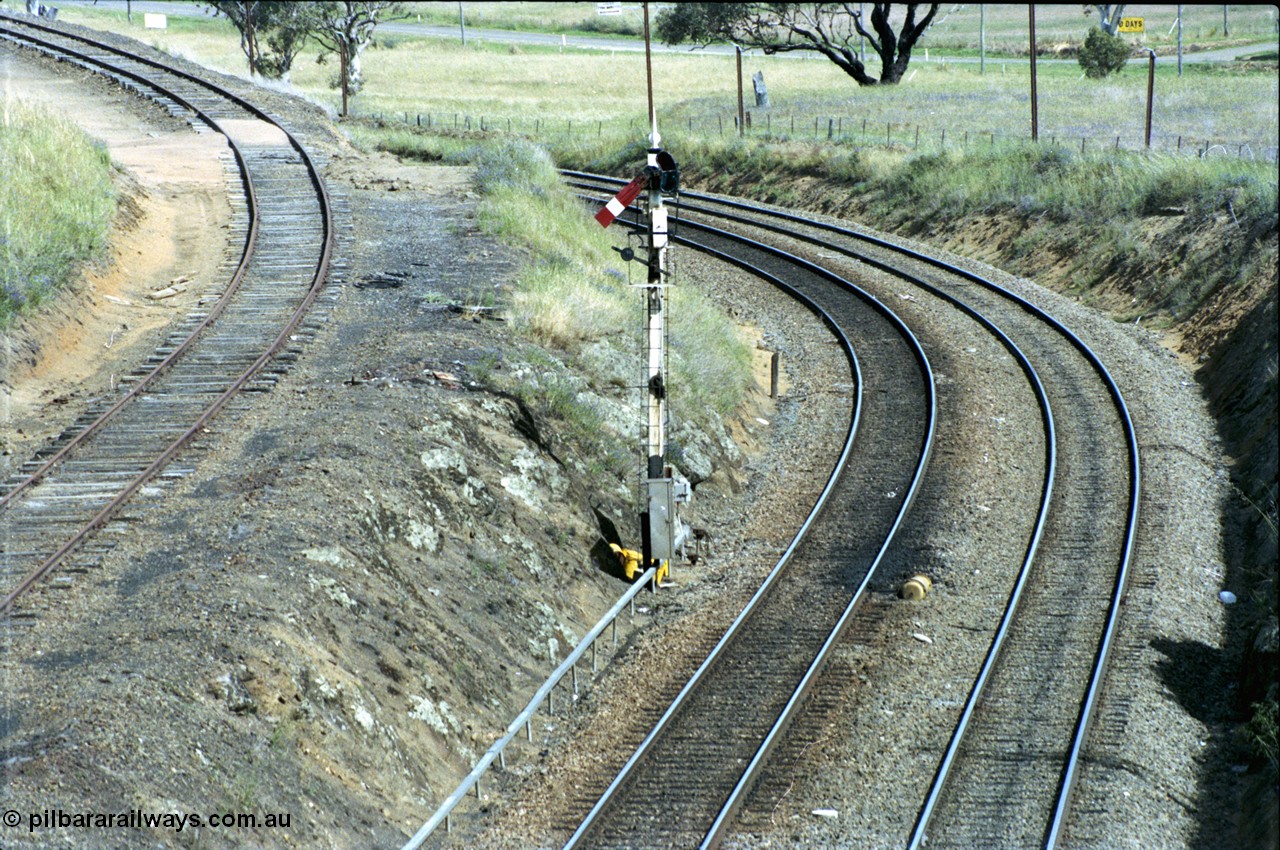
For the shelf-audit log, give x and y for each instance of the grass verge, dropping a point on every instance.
(573, 295)
(56, 205)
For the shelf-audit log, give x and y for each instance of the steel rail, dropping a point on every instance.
(446, 808)
(1089, 701)
(736, 798)
(317, 282)
(819, 661)
(215, 310)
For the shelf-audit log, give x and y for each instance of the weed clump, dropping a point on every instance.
(514, 165)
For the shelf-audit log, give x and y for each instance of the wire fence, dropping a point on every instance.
(837, 130)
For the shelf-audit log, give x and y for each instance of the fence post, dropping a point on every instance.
(944, 139)
(1082, 145)
(887, 127)
(917, 137)
(831, 128)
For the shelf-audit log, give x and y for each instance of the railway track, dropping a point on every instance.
(236, 345)
(699, 748)
(772, 652)
(1006, 775)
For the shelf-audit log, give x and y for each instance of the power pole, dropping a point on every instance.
(742, 129)
(1035, 112)
(342, 53)
(982, 38)
(1179, 39)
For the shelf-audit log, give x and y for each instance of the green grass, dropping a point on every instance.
(56, 204)
(531, 17)
(554, 96)
(573, 291)
(956, 27)
(1091, 208)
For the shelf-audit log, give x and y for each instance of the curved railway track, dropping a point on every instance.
(1006, 777)
(239, 344)
(701, 749)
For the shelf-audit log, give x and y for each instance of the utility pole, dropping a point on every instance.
(1179, 39)
(1151, 88)
(742, 128)
(342, 54)
(1035, 112)
(982, 38)
(248, 26)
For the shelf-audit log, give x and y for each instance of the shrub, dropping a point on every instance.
(1103, 54)
(514, 164)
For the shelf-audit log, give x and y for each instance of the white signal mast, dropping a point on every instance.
(661, 530)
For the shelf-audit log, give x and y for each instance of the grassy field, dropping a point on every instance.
(56, 202)
(957, 26)
(547, 94)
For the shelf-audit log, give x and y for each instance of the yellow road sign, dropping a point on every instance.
(1133, 25)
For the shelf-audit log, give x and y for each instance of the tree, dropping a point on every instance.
(346, 28)
(1103, 54)
(287, 35)
(245, 17)
(282, 24)
(1108, 16)
(832, 29)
